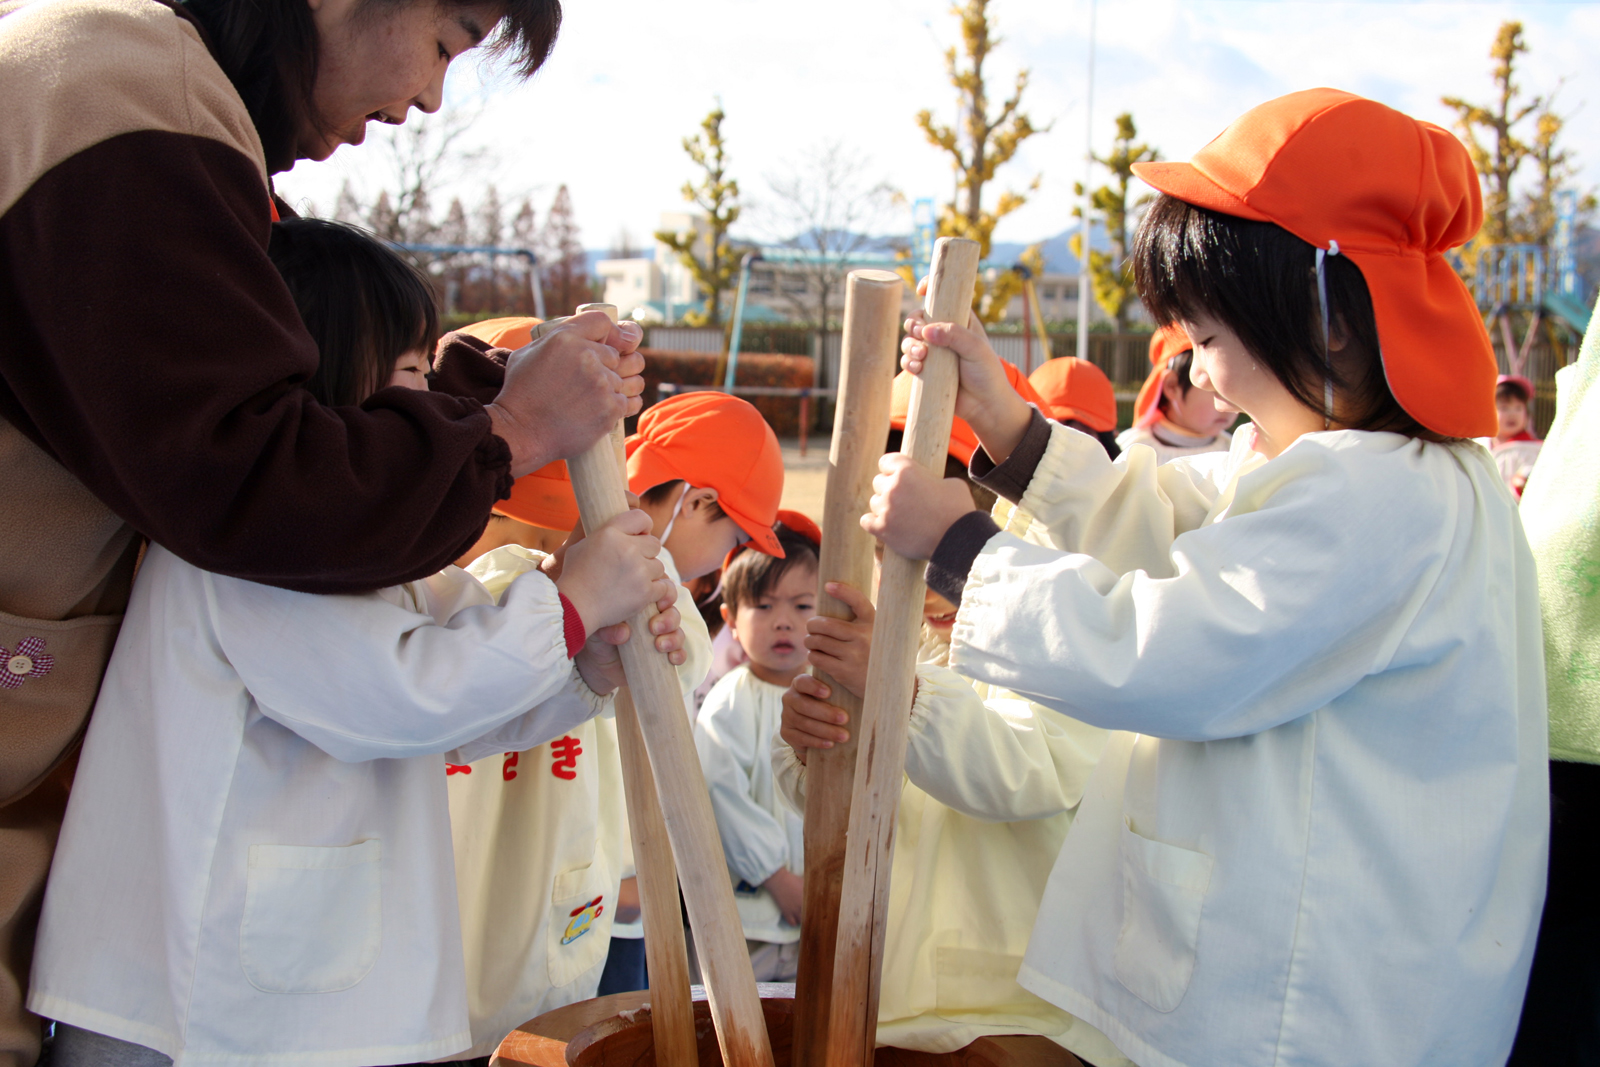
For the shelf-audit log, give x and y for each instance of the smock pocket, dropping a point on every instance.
(579, 931)
(313, 917)
(1163, 891)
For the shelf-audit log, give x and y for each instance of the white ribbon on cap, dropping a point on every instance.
(1327, 351)
(686, 486)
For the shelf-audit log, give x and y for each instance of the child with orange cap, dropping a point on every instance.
(1321, 839)
(1076, 393)
(971, 857)
(256, 867)
(766, 602)
(1170, 415)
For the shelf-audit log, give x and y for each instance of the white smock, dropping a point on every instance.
(1169, 442)
(255, 867)
(992, 783)
(541, 845)
(1329, 846)
(761, 833)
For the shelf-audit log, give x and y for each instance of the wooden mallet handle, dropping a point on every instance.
(867, 361)
(601, 490)
(891, 678)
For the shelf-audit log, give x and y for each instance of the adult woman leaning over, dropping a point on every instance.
(151, 357)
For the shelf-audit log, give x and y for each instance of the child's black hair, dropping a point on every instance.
(1259, 280)
(660, 494)
(1179, 365)
(753, 575)
(363, 305)
(1512, 391)
(982, 499)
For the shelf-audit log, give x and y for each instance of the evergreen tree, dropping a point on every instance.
(711, 258)
(1108, 271)
(978, 146)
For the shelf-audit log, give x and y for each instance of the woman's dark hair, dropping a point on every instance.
(753, 575)
(363, 305)
(668, 491)
(1259, 280)
(982, 499)
(268, 49)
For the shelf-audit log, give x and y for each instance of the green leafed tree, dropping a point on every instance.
(709, 255)
(978, 145)
(1108, 271)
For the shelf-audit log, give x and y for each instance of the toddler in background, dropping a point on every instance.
(1514, 447)
(766, 602)
(255, 867)
(1078, 394)
(1170, 414)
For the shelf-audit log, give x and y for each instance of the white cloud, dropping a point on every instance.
(630, 78)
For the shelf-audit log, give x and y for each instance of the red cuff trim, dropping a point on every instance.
(572, 626)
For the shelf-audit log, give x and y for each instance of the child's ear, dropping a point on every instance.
(702, 497)
(726, 618)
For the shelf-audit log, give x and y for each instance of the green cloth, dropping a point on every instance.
(1561, 512)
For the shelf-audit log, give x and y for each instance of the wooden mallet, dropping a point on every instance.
(891, 676)
(600, 485)
(867, 361)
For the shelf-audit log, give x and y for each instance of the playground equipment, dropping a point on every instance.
(1543, 282)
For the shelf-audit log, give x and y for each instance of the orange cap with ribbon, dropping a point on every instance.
(1165, 343)
(512, 332)
(963, 441)
(1073, 388)
(1355, 178)
(714, 441)
(799, 522)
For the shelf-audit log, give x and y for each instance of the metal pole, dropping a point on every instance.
(738, 322)
(1084, 228)
(538, 290)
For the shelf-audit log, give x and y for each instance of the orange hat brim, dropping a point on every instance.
(649, 467)
(1147, 405)
(1454, 398)
(543, 498)
(1187, 182)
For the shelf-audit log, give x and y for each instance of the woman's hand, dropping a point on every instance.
(842, 648)
(613, 573)
(565, 391)
(912, 509)
(986, 399)
(808, 720)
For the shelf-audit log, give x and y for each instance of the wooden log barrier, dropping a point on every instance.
(891, 675)
(600, 485)
(867, 361)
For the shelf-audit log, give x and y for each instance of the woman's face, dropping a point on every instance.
(380, 58)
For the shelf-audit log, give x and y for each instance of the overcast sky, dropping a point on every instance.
(630, 78)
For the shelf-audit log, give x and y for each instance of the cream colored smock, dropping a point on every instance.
(541, 845)
(256, 864)
(760, 831)
(992, 785)
(1328, 847)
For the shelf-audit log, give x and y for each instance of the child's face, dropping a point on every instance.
(698, 542)
(1201, 413)
(1513, 415)
(938, 614)
(411, 371)
(772, 629)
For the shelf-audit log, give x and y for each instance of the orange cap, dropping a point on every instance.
(511, 332)
(543, 498)
(714, 441)
(798, 522)
(1074, 388)
(963, 441)
(1394, 194)
(1165, 343)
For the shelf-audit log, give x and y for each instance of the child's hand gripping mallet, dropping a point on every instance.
(600, 486)
(860, 427)
(891, 675)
